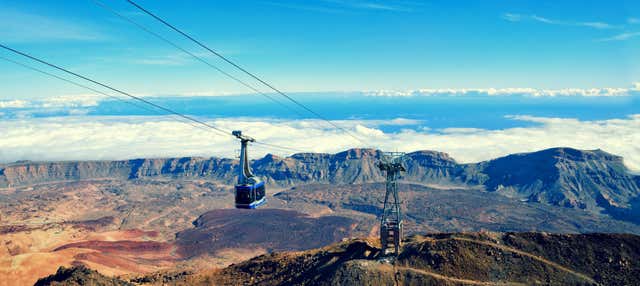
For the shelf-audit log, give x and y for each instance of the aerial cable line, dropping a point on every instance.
(244, 70)
(75, 83)
(279, 147)
(201, 123)
(198, 58)
(272, 147)
(117, 90)
(92, 89)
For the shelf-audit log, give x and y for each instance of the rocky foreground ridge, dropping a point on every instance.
(592, 180)
(434, 259)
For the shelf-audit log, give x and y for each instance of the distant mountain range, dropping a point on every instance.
(144, 215)
(593, 180)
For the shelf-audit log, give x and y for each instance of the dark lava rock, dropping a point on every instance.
(80, 276)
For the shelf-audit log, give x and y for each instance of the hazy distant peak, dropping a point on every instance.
(431, 154)
(358, 153)
(570, 154)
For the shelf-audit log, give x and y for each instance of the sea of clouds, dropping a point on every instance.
(126, 137)
(530, 92)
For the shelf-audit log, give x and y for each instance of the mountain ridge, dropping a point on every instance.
(593, 180)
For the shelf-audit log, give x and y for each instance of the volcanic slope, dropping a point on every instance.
(450, 210)
(216, 239)
(455, 259)
(434, 259)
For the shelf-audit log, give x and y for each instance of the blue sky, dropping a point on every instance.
(476, 79)
(328, 45)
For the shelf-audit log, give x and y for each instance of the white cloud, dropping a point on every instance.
(379, 122)
(597, 25)
(77, 112)
(621, 37)
(542, 19)
(459, 130)
(74, 100)
(14, 104)
(535, 92)
(83, 138)
(91, 99)
(402, 121)
(19, 26)
(207, 93)
(62, 101)
(512, 17)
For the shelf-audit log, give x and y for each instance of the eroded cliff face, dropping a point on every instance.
(590, 180)
(29, 173)
(348, 167)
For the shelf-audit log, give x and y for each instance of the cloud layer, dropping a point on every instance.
(512, 17)
(91, 138)
(533, 92)
(621, 37)
(88, 100)
(74, 100)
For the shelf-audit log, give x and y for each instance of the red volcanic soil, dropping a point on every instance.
(270, 229)
(123, 256)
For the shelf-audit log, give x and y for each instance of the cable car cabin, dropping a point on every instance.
(250, 190)
(250, 196)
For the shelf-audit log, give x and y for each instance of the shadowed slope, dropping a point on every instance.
(450, 259)
(267, 229)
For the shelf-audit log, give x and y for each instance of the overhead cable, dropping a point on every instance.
(198, 58)
(116, 90)
(244, 70)
(200, 123)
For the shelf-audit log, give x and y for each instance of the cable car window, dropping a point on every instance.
(243, 196)
(260, 192)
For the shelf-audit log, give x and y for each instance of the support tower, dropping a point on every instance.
(391, 220)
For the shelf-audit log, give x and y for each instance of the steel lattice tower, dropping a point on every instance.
(391, 220)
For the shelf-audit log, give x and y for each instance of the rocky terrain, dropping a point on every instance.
(266, 229)
(434, 259)
(452, 210)
(591, 180)
(149, 215)
(80, 276)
